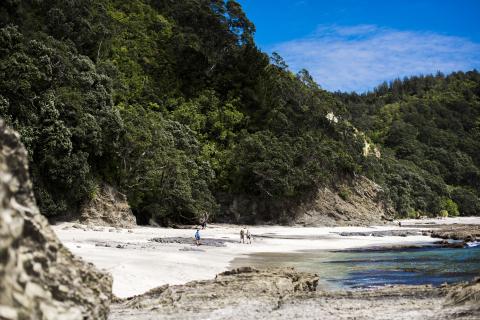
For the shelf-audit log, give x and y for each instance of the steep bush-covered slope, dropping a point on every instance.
(428, 128)
(173, 104)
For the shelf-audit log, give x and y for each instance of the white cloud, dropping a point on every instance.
(357, 58)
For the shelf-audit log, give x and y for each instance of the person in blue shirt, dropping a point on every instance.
(197, 237)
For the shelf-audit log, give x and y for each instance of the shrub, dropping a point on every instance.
(450, 206)
(443, 213)
(345, 194)
(412, 214)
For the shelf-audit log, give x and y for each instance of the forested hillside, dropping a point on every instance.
(428, 128)
(172, 103)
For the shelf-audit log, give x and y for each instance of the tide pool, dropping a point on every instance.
(369, 268)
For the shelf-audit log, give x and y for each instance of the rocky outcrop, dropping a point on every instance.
(465, 297)
(108, 207)
(239, 293)
(248, 293)
(465, 232)
(39, 277)
(355, 202)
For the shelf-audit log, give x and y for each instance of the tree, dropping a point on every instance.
(161, 168)
(450, 206)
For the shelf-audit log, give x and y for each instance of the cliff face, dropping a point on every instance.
(108, 208)
(39, 277)
(356, 202)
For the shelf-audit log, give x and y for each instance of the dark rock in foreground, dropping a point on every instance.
(39, 277)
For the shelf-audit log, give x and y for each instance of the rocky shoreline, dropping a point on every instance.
(461, 234)
(465, 232)
(287, 294)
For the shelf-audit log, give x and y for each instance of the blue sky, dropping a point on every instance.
(355, 45)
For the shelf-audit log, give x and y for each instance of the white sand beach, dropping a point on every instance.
(138, 264)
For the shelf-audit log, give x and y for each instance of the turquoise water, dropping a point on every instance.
(377, 267)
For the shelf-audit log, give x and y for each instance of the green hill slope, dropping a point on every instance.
(429, 130)
(173, 103)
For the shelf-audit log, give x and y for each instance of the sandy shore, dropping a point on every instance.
(138, 264)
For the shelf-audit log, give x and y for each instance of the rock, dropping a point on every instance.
(248, 293)
(210, 242)
(39, 277)
(108, 208)
(464, 232)
(356, 202)
(466, 297)
(382, 233)
(8, 313)
(448, 244)
(191, 249)
(243, 289)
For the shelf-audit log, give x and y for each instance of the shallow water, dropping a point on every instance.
(377, 267)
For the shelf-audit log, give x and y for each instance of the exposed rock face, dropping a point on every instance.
(39, 277)
(108, 208)
(357, 202)
(240, 293)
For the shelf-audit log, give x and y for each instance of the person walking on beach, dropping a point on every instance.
(197, 237)
(249, 237)
(242, 236)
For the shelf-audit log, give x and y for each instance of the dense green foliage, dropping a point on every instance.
(62, 107)
(173, 103)
(429, 131)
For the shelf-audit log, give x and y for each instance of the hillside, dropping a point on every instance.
(428, 129)
(173, 104)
